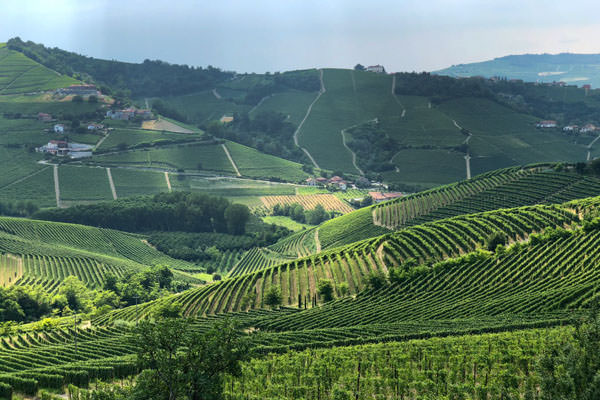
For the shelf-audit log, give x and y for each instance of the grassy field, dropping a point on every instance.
(292, 103)
(444, 166)
(286, 222)
(37, 187)
(255, 164)
(83, 184)
(184, 156)
(120, 137)
(130, 182)
(19, 74)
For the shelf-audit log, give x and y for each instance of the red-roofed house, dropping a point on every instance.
(378, 197)
(546, 124)
(44, 117)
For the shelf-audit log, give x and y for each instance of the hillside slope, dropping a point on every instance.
(577, 69)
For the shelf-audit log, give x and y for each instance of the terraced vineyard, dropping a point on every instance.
(51, 251)
(427, 243)
(510, 187)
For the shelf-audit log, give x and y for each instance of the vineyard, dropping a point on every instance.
(509, 187)
(427, 243)
(51, 251)
(309, 201)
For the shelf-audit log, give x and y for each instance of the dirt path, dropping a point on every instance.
(102, 139)
(468, 165)
(343, 132)
(56, 186)
(467, 156)
(317, 242)
(237, 171)
(396, 97)
(24, 178)
(216, 94)
(168, 181)
(258, 104)
(112, 184)
(17, 77)
(323, 90)
(589, 148)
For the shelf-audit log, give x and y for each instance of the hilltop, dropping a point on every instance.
(573, 69)
(413, 131)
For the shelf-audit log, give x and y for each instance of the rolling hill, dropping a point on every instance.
(574, 69)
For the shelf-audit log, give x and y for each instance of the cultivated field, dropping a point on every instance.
(309, 201)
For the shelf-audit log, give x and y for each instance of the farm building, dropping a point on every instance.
(225, 119)
(44, 117)
(79, 90)
(63, 148)
(588, 128)
(546, 124)
(376, 68)
(128, 113)
(311, 181)
(571, 128)
(59, 128)
(378, 197)
(94, 126)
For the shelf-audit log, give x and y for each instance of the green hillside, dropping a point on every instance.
(51, 251)
(20, 74)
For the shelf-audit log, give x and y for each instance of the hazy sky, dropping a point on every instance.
(278, 35)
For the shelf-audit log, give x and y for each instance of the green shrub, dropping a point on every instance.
(5, 391)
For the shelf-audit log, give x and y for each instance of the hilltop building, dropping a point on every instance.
(376, 68)
(546, 124)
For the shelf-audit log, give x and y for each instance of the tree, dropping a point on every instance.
(359, 67)
(494, 239)
(317, 215)
(595, 165)
(273, 297)
(325, 288)
(93, 99)
(182, 363)
(76, 293)
(376, 280)
(236, 217)
(77, 99)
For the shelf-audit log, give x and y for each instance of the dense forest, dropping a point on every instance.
(178, 211)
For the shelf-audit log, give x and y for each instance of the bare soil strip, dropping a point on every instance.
(216, 94)
(323, 90)
(589, 148)
(56, 186)
(343, 132)
(396, 97)
(163, 125)
(237, 171)
(317, 242)
(112, 184)
(168, 181)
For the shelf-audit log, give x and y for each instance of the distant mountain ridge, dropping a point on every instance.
(571, 68)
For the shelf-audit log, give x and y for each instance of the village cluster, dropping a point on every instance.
(66, 148)
(572, 128)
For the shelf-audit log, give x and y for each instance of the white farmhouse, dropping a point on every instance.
(59, 128)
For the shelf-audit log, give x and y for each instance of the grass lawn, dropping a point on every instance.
(286, 222)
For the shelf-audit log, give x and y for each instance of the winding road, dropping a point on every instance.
(467, 156)
(589, 148)
(323, 90)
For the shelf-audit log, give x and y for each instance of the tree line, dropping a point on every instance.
(177, 211)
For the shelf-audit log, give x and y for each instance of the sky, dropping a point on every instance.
(281, 35)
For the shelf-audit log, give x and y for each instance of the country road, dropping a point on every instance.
(102, 139)
(323, 90)
(396, 97)
(467, 156)
(216, 94)
(237, 171)
(589, 148)
(56, 186)
(112, 184)
(343, 132)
